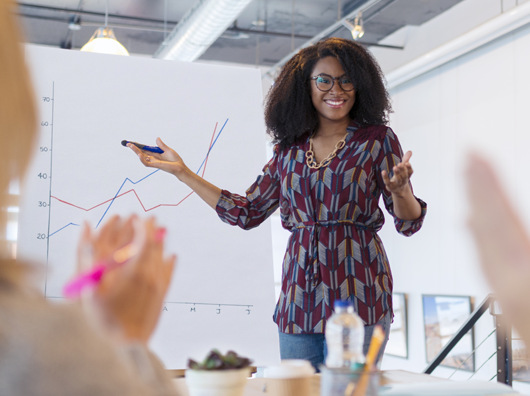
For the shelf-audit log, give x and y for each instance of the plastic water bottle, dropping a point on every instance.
(344, 336)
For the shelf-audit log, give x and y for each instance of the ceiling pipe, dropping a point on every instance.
(199, 28)
(483, 34)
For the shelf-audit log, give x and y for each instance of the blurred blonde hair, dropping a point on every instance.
(18, 117)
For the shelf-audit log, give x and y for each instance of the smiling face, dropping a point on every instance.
(334, 105)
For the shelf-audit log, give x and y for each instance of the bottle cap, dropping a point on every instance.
(343, 304)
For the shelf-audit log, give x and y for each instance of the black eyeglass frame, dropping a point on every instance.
(332, 82)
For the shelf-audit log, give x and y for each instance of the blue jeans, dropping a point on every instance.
(313, 347)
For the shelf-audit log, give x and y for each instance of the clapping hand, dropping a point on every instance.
(502, 243)
(402, 173)
(129, 299)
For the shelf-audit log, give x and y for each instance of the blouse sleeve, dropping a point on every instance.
(389, 156)
(261, 200)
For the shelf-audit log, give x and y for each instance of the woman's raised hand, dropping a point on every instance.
(169, 161)
(399, 182)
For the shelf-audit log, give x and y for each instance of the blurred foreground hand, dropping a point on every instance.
(502, 242)
(128, 301)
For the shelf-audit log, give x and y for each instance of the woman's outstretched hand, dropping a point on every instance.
(399, 183)
(502, 243)
(169, 161)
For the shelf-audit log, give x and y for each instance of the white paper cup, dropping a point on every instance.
(290, 368)
(293, 377)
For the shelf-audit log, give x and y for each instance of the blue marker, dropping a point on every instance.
(152, 149)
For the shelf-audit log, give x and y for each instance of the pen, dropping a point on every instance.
(378, 336)
(152, 149)
(93, 276)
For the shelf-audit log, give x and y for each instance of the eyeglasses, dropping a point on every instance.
(325, 82)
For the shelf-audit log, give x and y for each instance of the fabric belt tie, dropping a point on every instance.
(312, 271)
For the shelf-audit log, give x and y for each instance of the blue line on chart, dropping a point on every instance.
(77, 225)
(113, 199)
(145, 177)
(210, 149)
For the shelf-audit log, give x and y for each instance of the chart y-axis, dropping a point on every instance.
(50, 194)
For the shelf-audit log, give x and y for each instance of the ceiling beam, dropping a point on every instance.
(160, 28)
(88, 13)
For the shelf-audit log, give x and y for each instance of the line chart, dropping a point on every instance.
(223, 287)
(62, 228)
(121, 194)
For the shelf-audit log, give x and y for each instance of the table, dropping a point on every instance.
(255, 386)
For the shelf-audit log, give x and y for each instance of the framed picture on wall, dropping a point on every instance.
(398, 338)
(520, 363)
(442, 317)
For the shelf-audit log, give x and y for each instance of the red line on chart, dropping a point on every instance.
(134, 191)
(121, 195)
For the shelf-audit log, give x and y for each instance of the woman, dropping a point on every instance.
(52, 349)
(333, 159)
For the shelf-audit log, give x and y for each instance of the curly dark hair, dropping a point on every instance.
(289, 111)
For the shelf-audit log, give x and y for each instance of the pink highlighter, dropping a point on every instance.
(93, 276)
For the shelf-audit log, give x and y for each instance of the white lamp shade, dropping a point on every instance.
(104, 42)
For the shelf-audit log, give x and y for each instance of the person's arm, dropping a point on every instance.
(262, 198)
(393, 172)
(260, 201)
(204, 189)
(502, 243)
(406, 206)
(68, 356)
(171, 162)
(98, 347)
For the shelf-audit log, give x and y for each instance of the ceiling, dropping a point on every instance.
(141, 25)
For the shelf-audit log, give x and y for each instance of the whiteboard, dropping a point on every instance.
(222, 292)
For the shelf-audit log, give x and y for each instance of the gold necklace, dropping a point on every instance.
(310, 155)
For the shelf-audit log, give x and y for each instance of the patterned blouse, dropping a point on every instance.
(334, 251)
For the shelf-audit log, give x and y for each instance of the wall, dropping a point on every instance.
(266, 83)
(476, 102)
(418, 40)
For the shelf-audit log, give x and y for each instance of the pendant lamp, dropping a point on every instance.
(356, 28)
(104, 41)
